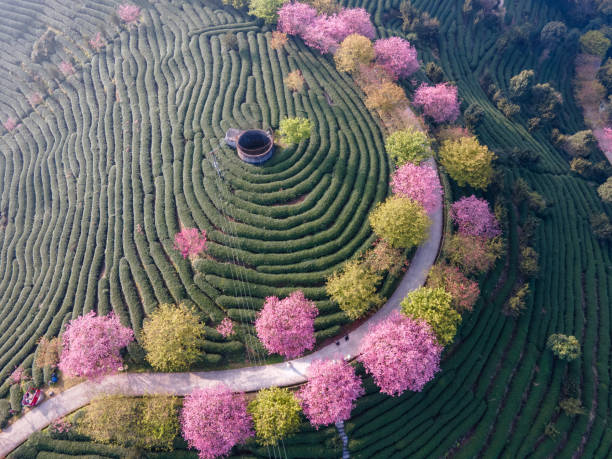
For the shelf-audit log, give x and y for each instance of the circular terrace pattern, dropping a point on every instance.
(118, 157)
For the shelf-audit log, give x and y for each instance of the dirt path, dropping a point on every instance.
(239, 379)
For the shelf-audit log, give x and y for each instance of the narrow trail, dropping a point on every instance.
(239, 379)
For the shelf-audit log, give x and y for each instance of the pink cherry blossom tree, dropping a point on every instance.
(214, 419)
(190, 242)
(226, 327)
(439, 102)
(419, 183)
(97, 42)
(354, 20)
(397, 56)
(91, 345)
(473, 217)
(330, 392)
(295, 18)
(286, 326)
(10, 124)
(128, 13)
(17, 375)
(400, 353)
(67, 68)
(35, 98)
(321, 35)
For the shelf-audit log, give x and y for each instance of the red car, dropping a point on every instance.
(33, 397)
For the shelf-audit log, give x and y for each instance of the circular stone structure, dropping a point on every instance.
(255, 146)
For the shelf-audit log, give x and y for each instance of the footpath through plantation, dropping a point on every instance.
(248, 379)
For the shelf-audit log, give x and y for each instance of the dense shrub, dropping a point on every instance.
(594, 42)
(353, 52)
(294, 130)
(265, 9)
(276, 415)
(354, 289)
(605, 190)
(563, 346)
(472, 254)
(408, 146)
(149, 422)
(433, 305)
(401, 222)
(464, 292)
(5, 412)
(468, 162)
(172, 337)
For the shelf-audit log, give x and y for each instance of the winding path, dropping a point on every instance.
(239, 379)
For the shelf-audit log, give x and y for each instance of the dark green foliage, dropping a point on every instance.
(434, 72)
(5, 408)
(601, 226)
(15, 398)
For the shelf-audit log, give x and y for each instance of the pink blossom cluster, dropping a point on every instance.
(294, 18)
(473, 217)
(226, 327)
(323, 32)
(10, 124)
(128, 13)
(97, 42)
(400, 353)
(286, 326)
(330, 392)
(397, 56)
(214, 419)
(67, 68)
(91, 345)
(604, 138)
(419, 183)
(190, 242)
(17, 375)
(439, 102)
(61, 425)
(35, 98)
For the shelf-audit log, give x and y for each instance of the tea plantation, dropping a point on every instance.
(129, 136)
(121, 155)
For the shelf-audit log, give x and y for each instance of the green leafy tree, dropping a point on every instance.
(148, 422)
(266, 9)
(434, 72)
(408, 146)
(172, 338)
(468, 162)
(520, 85)
(605, 190)
(601, 226)
(594, 42)
(553, 32)
(354, 289)
(563, 346)
(354, 51)
(604, 75)
(473, 115)
(516, 304)
(276, 414)
(582, 143)
(433, 305)
(401, 222)
(572, 407)
(294, 130)
(529, 261)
